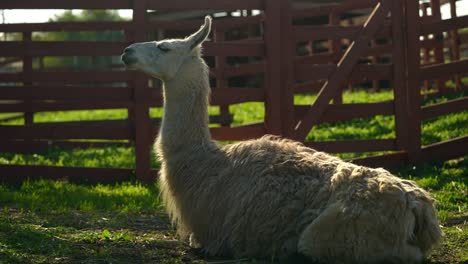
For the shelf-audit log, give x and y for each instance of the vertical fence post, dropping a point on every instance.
(426, 51)
(439, 47)
(399, 70)
(27, 71)
(220, 63)
(413, 61)
(288, 53)
(375, 60)
(455, 44)
(142, 122)
(273, 53)
(334, 46)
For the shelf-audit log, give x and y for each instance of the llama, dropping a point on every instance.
(272, 197)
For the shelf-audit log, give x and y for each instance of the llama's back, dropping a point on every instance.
(273, 189)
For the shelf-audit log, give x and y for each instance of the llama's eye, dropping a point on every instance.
(163, 49)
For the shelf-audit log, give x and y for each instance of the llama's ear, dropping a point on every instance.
(198, 37)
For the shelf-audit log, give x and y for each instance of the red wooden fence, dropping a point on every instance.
(272, 55)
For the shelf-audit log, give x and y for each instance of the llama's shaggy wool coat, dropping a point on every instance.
(273, 197)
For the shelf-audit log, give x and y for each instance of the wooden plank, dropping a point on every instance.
(413, 94)
(342, 112)
(27, 70)
(445, 150)
(386, 160)
(234, 48)
(60, 4)
(308, 87)
(436, 71)
(327, 57)
(325, 9)
(273, 79)
(205, 5)
(287, 69)
(67, 26)
(302, 33)
(70, 76)
(445, 108)
(359, 73)
(344, 69)
(193, 24)
(313, 71)
(107, 48)
(41, 106)
(65, 93)
(399, 78)
(54, 131)
(244, 69)
(19, 173)
(61, 48)
(440, 26)
(363, 145)
(238, 133)
(20, 146)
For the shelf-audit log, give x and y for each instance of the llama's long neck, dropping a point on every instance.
(185, 119)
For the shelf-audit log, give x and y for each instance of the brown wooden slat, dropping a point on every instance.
(107, 48)
(223, 23)
(60, 4)
(69, 76)
(238, 133)
(308, 87)
(436, 71)
(452, 106)
(341, 112)
(412, 63)
(61, 48)
(325, 9)
(67, 26)
(445, 150)
(399, 79)
(313, 71)
(29, 146)
(64, 131)
(359, 72)
(227, 96)
(387, 160)
(365, 145)
(234, 48)
(302, 33)
(65, 93)
(204, 4)
(440, 26)
(41, 106)
(327, 57)
(244, 69)
(18, 173)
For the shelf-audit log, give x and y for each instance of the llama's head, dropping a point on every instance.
(162, 59)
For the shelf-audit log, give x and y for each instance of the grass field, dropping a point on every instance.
(62, 222)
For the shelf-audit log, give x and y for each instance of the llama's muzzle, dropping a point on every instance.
(128, 56)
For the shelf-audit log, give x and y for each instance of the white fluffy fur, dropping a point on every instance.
(270, 196)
